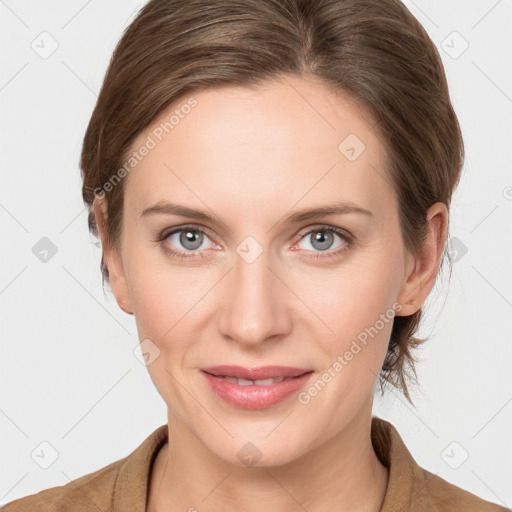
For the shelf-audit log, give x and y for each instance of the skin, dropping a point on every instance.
(252, 157)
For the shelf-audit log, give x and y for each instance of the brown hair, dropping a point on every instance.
(373, 51)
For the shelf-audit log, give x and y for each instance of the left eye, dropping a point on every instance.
(322, 239)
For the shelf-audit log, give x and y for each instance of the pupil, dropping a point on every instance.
(187, 237)
(325, 241)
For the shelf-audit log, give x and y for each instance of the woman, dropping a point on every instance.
(271, 181)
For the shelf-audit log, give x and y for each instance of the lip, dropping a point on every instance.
(253, 396)
(261, 372)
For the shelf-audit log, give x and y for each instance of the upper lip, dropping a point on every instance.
(259, 373)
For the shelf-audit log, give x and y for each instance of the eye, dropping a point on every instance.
(192, 241)
(323, 239)
(186, 239)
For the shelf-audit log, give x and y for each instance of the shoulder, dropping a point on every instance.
(412, 488)
(122, 485)
(93, 491)
(439, 495)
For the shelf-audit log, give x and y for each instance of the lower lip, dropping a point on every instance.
(255, 397)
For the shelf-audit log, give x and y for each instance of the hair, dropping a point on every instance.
(374, 52)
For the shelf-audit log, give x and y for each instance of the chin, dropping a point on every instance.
(260, 450)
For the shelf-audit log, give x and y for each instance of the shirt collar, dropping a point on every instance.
(132, 483)
(406, 483)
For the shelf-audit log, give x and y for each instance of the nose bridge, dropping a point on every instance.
(256, 304)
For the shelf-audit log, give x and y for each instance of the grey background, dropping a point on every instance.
(70, 373)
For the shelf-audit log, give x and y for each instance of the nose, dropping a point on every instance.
(257, 306)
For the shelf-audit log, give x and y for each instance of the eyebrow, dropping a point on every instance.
(167, 208)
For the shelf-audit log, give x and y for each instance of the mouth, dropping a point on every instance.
(255, 388)
(259, 376)
(247, 382)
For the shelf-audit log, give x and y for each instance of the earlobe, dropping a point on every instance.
(116, 274)
(128, 312)
(118, 283)
(407, 298)
(420, 280)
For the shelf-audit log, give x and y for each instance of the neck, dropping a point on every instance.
(344, 473)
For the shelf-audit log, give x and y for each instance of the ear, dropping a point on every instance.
(421, 269)
(112, 258)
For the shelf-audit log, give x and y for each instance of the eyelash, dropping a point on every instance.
(347, 238)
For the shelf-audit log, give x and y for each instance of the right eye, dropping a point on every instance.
(184, 241)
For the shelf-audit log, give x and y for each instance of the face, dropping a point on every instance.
(249, 282)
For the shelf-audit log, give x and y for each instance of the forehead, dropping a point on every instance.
(281, 142)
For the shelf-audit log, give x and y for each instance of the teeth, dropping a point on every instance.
(244, 382)
(260, 382)
(266, 382)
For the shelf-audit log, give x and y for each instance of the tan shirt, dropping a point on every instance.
(123, 485)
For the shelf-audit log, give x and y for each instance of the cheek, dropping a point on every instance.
(353, 322)
(166, 306)
(161, 292)
(336, 304)
(348, 299)
(170, 308)
(360, 314)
